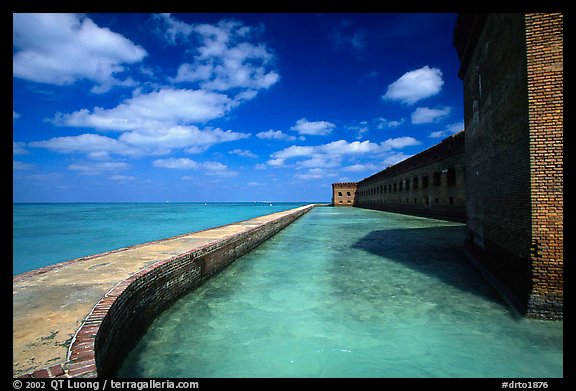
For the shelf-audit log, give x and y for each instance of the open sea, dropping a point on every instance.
(45, 234)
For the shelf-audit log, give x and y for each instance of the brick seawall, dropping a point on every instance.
(80, 318)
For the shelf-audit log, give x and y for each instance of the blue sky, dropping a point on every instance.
(224, 107)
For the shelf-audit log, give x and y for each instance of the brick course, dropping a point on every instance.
(544, 52)
(511, 65)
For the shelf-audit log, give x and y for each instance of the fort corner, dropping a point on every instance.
(343, 193)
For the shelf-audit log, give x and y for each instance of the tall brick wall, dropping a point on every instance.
(544, 52)
(430, 183)
(497, 155)
(511, 68)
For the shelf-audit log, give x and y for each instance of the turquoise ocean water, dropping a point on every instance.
(44, 234)
(346, 292)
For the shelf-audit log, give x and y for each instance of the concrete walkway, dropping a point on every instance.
(50, 304)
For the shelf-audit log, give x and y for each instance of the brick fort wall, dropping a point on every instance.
(511, 66)
(343, 193)
(544, 52)
(430, 183)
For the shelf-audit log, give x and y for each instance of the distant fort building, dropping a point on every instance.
(429, 184)
(343, 193)
(504, 175)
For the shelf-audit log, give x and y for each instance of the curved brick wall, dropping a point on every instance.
(123, 315)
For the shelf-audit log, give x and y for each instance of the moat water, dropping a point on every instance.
(346, 292)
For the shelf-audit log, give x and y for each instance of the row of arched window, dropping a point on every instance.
(413, 183)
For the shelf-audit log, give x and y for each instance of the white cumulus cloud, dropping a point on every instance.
(180, 163)
(139, 143)
(342, 148)
(173, 30)
(318, 128)
(227, 56)
(276, 135)
(360, 167)
(18, 165)
(450, 129)
(190, 138)
(208, 168)
(426, 115)
(92, 168)
(94, 145)
(150, 123)
(243, 153)
(383, 123)
(316, 173)
(61, 49)
(295, 151)
(228, 65)
(122, 178)
(155, 109)
(331, 155)
(415, 85)
(18, 148)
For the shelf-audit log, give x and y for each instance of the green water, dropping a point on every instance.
(346, 292)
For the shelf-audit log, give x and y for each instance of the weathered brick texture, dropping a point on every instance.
(544, 52)
(513, 100)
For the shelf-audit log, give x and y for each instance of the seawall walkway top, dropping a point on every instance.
(52, 304)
